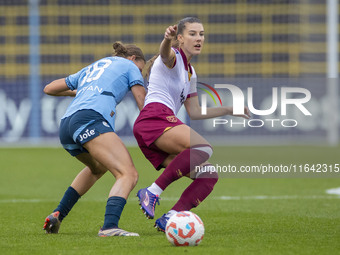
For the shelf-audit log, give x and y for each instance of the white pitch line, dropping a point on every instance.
(219, 198)
(14, 201)
(225, 198)
(335, 191)
(274, 197)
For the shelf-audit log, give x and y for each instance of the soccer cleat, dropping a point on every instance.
(148, 201)
(115, 232)
(161, 222)
(52, 223)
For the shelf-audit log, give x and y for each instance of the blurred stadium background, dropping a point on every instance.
(49, 39)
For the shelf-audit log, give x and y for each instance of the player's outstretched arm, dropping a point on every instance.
(167, 55)
(195, 111)
(59, 88)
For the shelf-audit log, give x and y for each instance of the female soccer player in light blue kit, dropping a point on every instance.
(87, 131)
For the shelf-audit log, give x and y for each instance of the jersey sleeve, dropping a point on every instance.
(135, 76)
(72, 80)
(193, 84)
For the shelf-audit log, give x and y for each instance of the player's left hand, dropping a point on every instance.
(246, 114)
(170, 33)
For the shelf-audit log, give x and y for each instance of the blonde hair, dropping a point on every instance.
(121, 50)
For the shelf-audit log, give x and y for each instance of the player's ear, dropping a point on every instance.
(133, 57)
(180, 38)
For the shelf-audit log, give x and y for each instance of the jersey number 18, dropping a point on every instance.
(95, 71)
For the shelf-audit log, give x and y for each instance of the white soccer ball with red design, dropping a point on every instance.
(184, 229)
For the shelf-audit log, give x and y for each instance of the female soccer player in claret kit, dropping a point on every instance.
(87, 131)
(162, 137)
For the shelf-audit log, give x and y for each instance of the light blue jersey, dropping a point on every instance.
(102, 85)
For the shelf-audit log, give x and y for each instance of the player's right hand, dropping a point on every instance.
(170, 32)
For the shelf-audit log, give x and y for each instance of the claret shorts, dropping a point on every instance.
(152, 122)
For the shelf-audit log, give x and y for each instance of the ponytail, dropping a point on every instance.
(148, 67)
(119, 50)
(124, 51)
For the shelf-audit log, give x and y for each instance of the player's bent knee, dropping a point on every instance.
(132, 176)
(135, 177)
(205, 148)
(98, 170)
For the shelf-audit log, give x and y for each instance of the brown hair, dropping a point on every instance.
(174, 43)
(121, 50)
(182, 22)
(149, 63)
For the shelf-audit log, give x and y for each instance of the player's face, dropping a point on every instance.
(140, 64)
(192, 39)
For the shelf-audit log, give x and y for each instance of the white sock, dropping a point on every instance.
(155, 189)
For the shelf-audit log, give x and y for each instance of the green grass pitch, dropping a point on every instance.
(241, 216)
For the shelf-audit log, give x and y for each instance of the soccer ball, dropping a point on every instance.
(184, 229)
